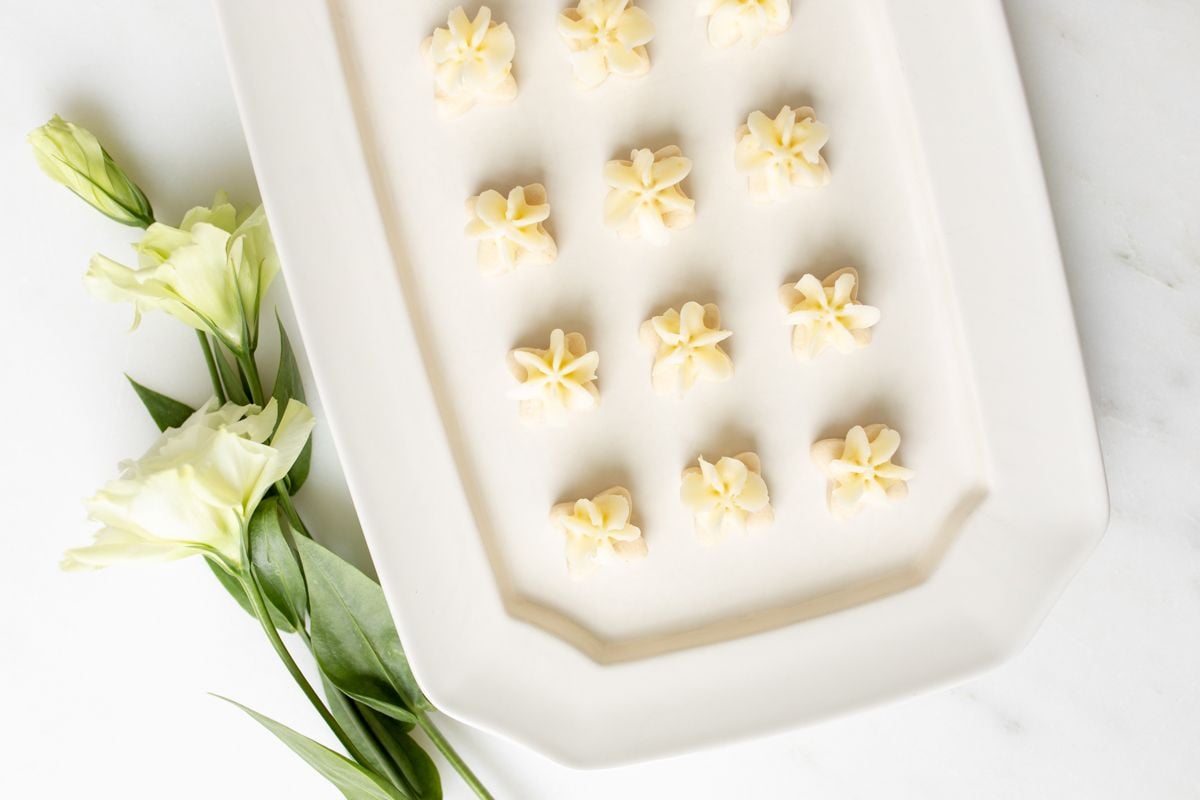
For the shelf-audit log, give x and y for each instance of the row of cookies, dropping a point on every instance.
(472, 59)
(729, 496)
(561, 378)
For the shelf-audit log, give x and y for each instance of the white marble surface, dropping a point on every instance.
(106, 674)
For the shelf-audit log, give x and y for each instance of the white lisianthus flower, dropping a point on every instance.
(210, 273)
(195, 490)
(73, 156)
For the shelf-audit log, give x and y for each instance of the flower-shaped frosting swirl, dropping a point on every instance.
(827, 313)
(598, 531)
(557, 380)
(732, 20)
(778, 154)
(510, 231)
(687, 347)
(727, 497)
(472, 61)
(646, 198)
(860, 469)
(606, 36)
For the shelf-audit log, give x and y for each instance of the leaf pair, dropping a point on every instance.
(368, 685)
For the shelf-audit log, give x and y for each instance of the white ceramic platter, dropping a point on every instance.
(937, 199)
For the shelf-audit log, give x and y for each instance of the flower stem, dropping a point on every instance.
(447, 750)
(213, 375)
(251, 370)
(264, 617)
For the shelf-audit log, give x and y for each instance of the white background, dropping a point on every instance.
(105, 675)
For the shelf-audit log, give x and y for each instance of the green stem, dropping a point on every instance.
(447, 750)
(289, 508)
(251, 370)
(213, 375)
(264, 617)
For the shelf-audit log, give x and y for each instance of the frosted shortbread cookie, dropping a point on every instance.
(779, 154)
(827, 313)
(860, 469)
(687, 348)
(598, 531)
(510, 230)
(606, 36)
(727, 497)
(646, 198)
(556, 381)
(471, 60)
(730, 21)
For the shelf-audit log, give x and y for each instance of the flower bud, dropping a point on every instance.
(73, 157)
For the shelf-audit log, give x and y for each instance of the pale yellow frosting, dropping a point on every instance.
(826, 313)
(646, 198)
(779, 154)
(606, 36)
(598, 531)
(730, 21)
(729, 496)
(555, 381)
(472, 61)
(860, 469)
(687, 347)
(510, 231)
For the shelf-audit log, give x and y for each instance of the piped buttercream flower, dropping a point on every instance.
(729, 496)
(557, 380)
(606, 36)
(598, 531)
(827, 313)
(732, 20)
(646, 197)
(687, 347)
(779, 154)
(510, 231)
(472, 61)
(860, 469)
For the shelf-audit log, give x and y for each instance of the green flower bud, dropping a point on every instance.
(73, 157)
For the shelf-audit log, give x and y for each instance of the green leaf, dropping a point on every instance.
(289, 386)
(416, 765)
(234, 587)
(354, 781)
(231, 379)
(275, 565)
(356, 720)
(165, 411)
(353, 637)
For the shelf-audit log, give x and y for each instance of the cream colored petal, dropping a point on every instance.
(499, 46)
(695, 491)
(631, 549)
(731, 474)
(753, 496)
(884, 446)
(825, 451)
(590, 67)
(636, 28)
(714, 364)
(614, 511)
(627, 61)
(858, 449)
(894, 472)
(859, 316)
(651, 225)
(670, 171)
(848, 492)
